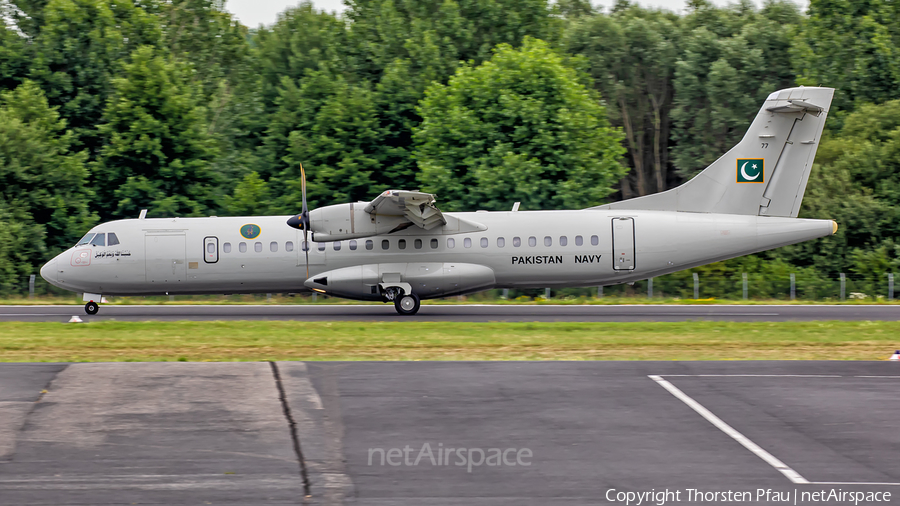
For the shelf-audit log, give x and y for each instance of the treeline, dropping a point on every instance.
(110, 107)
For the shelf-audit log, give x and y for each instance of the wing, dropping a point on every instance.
(417, 207)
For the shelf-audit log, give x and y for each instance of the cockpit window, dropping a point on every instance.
(85, 240)
(112, 240)
(99, 240)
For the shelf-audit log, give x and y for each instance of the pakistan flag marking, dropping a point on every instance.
(750, 170)
(250, 231)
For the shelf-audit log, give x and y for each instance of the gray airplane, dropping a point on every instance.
(401, 248)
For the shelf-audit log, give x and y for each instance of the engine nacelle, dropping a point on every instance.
(428, 279)
(349, 221)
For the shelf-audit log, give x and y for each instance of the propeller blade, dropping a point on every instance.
(304, 209)
(304, 217)
(301, 221)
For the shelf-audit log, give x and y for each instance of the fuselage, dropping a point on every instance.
(517, 249)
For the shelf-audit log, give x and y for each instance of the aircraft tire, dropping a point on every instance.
(407, 304)
(91, 308)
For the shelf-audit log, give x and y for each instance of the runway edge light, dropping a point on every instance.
(75, 319)
(895, 356)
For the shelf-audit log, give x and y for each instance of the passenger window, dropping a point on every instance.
(501, 242)
(352, 244)
(273, 247)
(257, 247)
(337, 245)
(401, 244)
(563, 240)
(385, 244)
(99, 240)
(595, 240)
(321, 247)
(418, 244)
(467, 242)
(370, 244)
(517, 242)
(112, 240)
(532, 241)
(289, 246)
(451, 243)
(548, 241)
(579, 240)
(434, 244)
(226, 247)
(484, 242)
(210, 247)
(242, 247)
(85, 240)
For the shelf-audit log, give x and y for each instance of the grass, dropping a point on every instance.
(412, 340)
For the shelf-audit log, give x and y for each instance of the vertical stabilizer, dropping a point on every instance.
(766, 173)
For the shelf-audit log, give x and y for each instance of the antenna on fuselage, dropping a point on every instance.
(143, 214)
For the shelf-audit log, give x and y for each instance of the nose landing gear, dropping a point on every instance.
(92, 307)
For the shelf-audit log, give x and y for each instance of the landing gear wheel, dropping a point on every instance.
(407, 304)
(91, 308)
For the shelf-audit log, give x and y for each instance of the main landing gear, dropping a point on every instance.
(91, 308)
(407, 304)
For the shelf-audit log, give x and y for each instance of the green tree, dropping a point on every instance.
(14, 262)
(79, 50)
(331, 127)
(157, 146)
(520, 127)
(722, 78)
(851, 46)
(302, 39)
(42, 182)
(631, 55)
(15, 57)
(251, 196)
(402, 46)
(856, 182)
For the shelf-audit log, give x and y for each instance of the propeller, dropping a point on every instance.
(301, 221)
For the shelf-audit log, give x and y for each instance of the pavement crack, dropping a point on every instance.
(292, 424)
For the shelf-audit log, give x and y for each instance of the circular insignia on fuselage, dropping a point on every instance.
(250, 231)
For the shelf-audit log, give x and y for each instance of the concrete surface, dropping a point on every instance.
(455, 313)
(221, 433)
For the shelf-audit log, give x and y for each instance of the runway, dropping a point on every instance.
(571, 433)
(457, 313)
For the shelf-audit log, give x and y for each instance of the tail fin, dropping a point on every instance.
(766, 173)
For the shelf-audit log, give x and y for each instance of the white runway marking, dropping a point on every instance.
(757, 376)
(770, 459)
(32, 314)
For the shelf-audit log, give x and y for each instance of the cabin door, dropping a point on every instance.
(164, 256)
(623, 244)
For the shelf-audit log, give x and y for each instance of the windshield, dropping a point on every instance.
(86, 239)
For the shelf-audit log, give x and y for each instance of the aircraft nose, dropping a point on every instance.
(49, 271)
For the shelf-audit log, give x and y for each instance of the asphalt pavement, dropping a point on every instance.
(458, 313)
(449, 433)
